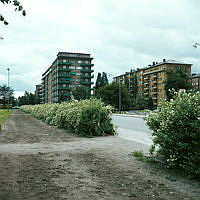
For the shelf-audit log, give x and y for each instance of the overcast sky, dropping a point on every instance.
(119, 34)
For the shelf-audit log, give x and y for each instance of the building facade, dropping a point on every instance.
(151, 80)
(67, 72)
(196, 81)
(38, 92)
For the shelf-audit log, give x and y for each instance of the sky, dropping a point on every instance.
(119, 35)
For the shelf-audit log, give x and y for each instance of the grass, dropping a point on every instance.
(4, 113)
(139, 155)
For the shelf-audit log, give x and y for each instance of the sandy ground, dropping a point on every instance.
(42, 162)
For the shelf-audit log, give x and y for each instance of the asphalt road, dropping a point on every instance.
(132, 128)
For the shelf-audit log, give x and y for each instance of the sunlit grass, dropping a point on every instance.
(4, 113)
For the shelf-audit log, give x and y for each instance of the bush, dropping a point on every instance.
(86, 117)
(176, 132)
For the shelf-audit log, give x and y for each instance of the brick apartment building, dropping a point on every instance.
(151, 79)
(68, 71)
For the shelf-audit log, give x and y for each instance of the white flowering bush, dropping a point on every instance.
(176, 132)
(86, 117)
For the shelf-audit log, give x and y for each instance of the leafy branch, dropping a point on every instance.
(16, 4)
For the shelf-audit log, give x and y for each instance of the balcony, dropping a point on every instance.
(64, 70)
(64, 75)
(89, 65)
(86, 83)
(65, 63)
(64, 81)
(87, 76)
(87, 70)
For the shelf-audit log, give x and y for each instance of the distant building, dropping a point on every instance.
(196, 81)
(151, 79)
(39, 92)
(68, 71)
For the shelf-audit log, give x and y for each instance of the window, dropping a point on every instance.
(71, 67)
(79, 61)
(78, 67)
(64, 60)
(64, 66)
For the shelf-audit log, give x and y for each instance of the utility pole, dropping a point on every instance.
(8, 86)
(120, 98)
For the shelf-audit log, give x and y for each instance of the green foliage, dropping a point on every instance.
(81, 93)
(134, 84)
(141, 103)
(28, 99)
(176, 132)
(101, 81)
(5, 94)
(16, 4)
(4, 115)
(86, 117)
(139, 155)
(110, 95)
(150, 103)
(176, 80)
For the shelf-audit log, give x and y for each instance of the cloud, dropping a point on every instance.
(120, 35)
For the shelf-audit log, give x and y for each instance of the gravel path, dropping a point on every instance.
(42, 162)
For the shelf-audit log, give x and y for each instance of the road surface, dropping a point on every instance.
(132, 128)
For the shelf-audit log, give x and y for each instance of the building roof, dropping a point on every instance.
(170, 61)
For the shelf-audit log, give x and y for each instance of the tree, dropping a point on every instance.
(5, 93)
(176, 80)
(98, 81)
(141, 102)
(150, 103)
(28, 99)
(16, 4)
(103, 80)
(81, 93)
(134, 90)
(110, 95)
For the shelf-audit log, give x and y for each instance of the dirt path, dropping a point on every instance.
(42, 162)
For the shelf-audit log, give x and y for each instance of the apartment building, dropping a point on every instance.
(196, 81)
(38, 92)
(151, 79)
(68, 71)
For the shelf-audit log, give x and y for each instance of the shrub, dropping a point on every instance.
(176, 132)
(86, 117)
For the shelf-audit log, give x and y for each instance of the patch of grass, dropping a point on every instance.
(139, 155)
(4, 113)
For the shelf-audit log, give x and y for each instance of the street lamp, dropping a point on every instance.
(8, 86)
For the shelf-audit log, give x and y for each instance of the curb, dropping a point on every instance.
(127, 115)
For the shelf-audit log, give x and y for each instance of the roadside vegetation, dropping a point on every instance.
(85, 117)
(4, 113)
(176, 132)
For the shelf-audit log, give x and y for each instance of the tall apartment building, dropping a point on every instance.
(68, 71)
(151, 79)
(38, 92)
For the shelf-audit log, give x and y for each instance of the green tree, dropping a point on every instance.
(27, 99)
(141, 102)
(150, 103)
(16, 4)
(98, 81)
(103, 80)
(134, 85)
(110, 95)
(176, 80)
(81, 93)
(5, 93)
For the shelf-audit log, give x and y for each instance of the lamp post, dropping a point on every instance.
(8, 86)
